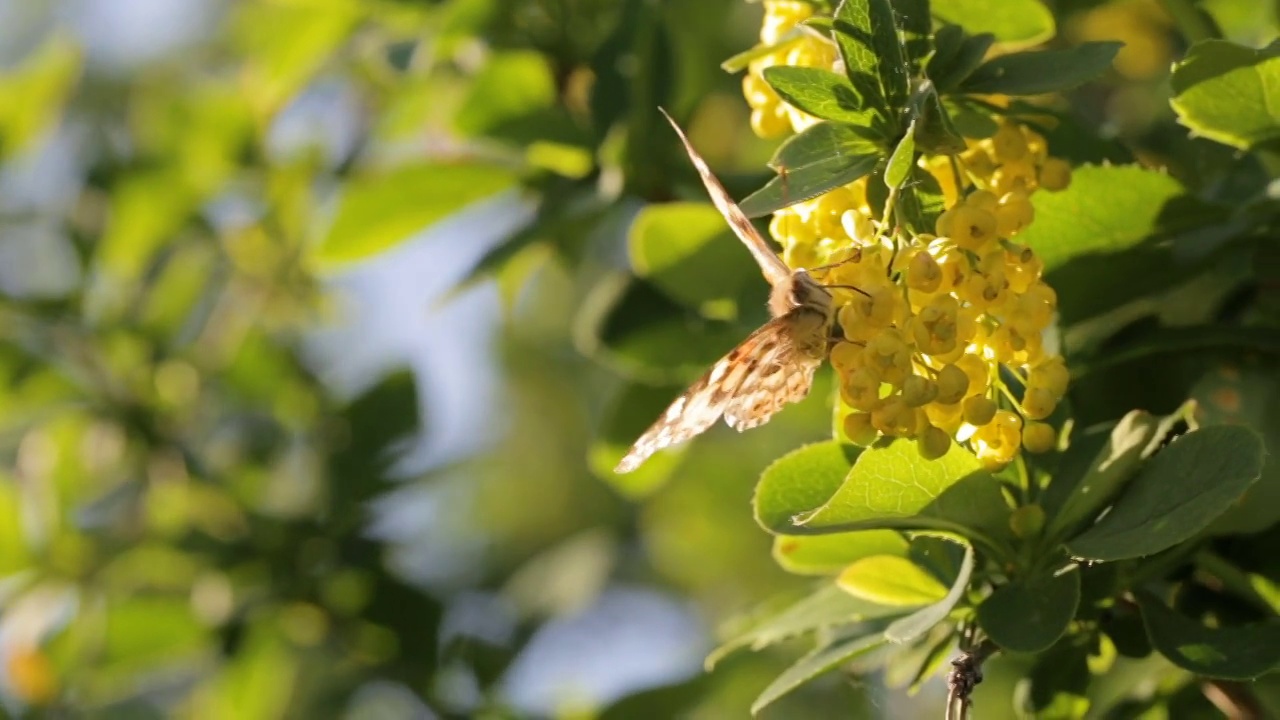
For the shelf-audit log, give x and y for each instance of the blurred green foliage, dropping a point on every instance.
(187, 509)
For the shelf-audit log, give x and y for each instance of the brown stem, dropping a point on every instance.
(1234, 699)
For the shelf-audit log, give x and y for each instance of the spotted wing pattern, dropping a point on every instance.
(747, 386)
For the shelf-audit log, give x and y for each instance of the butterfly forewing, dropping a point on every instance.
(775, 271)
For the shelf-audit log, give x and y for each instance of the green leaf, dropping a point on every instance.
(874, 59)
(742, 60)
(921, 202)
(1094, 469)
(822, 158)
(1056, 687)
(888, 487)
(378, 211)
(147, 633)
(828, 554)
(511, 86)
(1178, 493)
(817, 662)
(801, 480)
(891, 580)
(917, 27)
(1045, 71)
(1229, 93)
(915, 625)
(931, 125)
(821, 93)
(827, 607)
(965, 54)
(902, 159)
(686, 250)
(1013, 22)
(1102, 240)
(1235, 653)
(1030, 613)
(973, 124)
(34, 92)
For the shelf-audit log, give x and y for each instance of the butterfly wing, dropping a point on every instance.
(775, 271)
(755, 380)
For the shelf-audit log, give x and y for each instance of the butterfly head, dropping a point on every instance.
(799, 290)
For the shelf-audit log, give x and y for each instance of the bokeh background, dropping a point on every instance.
(306, 411)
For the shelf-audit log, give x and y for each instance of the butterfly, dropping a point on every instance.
(772, 367)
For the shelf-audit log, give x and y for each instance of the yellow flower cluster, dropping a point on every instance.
(928, 320)
(770, 116)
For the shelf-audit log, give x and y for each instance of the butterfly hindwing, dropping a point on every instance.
(748, 385)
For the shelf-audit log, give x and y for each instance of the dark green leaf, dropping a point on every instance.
(932, 127)
(948, 72)
(973, 124)
(1178, 493)
(917, 25)
(1246, 392)
(822, 158)
(1016, 22)
(821, 93)
(921, 201)
(1094, 469)
(921, 621)
(1226, 92)
(1057, 686)
(1030, 613)
(1035, 73)
(1236, 653)
(645, 336)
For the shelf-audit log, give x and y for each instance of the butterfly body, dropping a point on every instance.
(772, 367)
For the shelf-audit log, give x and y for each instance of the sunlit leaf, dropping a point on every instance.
(688, 252)
(380, 210)
(828, 554)
(1226, 92)
(32, 93)
(915, 625)
(1105, 233)
(891, 580)
(1017, 22)
(279, 64)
